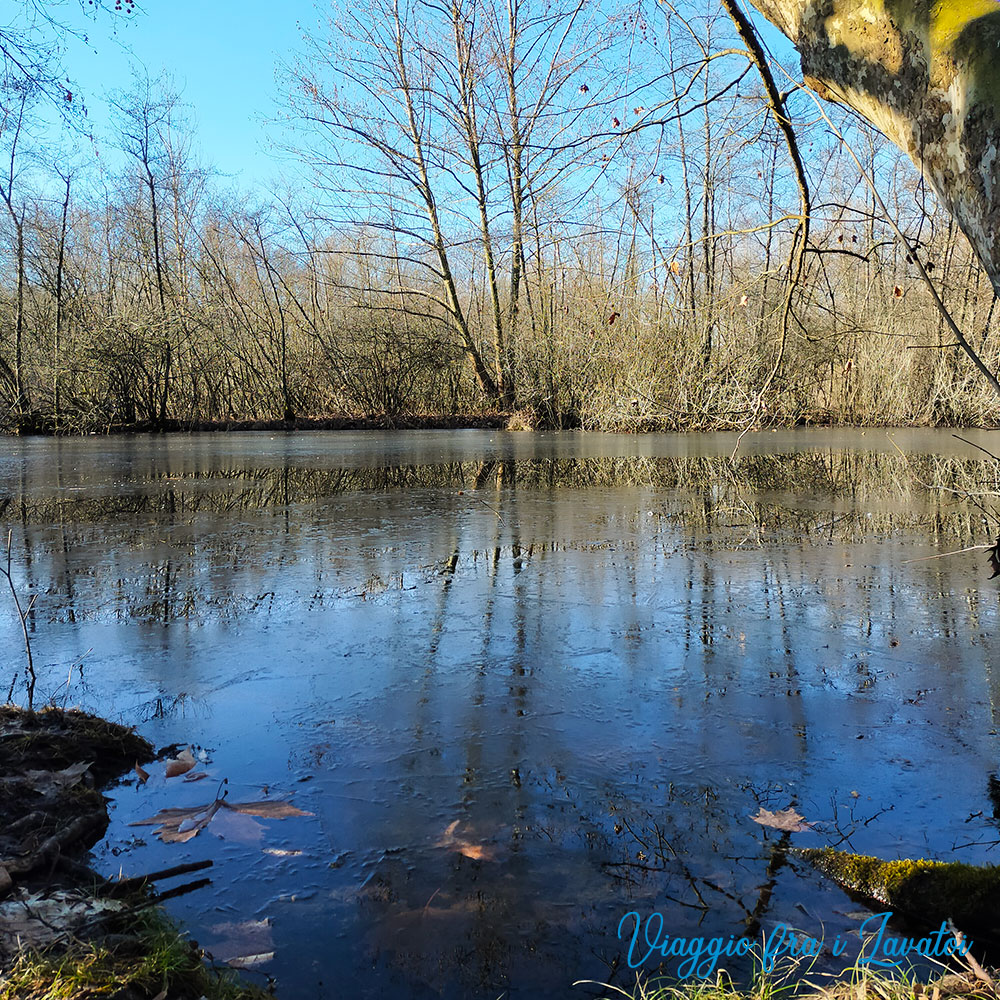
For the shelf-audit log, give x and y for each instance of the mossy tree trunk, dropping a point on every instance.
(926, 74)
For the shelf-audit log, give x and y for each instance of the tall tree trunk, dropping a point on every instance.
(57, 341)
(708, 221)
(22, 393)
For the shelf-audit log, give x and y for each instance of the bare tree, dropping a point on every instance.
(31, 41)
(455, 125)
(147, 124)
(12, 129)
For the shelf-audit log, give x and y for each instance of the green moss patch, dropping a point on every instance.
(928, 891)
(148, 960)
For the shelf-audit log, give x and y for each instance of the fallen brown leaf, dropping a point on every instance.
(785, 819)
(271, 809)
(180, 764)
(180, 825)
(181, 829)
(477, 852)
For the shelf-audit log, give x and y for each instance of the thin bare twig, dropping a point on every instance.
(495, 511)
(967, 956)
(979, 446)
(954, 552)
(23, 616)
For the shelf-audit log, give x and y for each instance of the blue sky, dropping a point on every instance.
(221, 56)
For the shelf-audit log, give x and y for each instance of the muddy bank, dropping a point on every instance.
(488, 421)
(525, 419)
(53, 763)
(65, 930)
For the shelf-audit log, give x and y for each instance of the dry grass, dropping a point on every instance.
(795, 979)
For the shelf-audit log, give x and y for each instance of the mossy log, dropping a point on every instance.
(924, 891)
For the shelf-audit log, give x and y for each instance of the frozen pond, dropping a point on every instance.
(523, 683)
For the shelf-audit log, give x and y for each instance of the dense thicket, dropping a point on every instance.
(535, 207)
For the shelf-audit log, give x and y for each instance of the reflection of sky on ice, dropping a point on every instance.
(598, 669)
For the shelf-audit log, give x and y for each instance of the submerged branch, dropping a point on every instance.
(23, 616)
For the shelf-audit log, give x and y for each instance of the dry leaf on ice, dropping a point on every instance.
(180, 825)
(785, 819)
(269, 809)
(477, 852)
(177, 826)
(180, 764)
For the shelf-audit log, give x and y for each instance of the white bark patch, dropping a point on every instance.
(986, 169)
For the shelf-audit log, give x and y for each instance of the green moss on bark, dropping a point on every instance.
(929, 891)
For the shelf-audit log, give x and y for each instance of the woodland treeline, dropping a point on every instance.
(579, 216)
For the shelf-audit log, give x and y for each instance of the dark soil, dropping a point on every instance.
(53, 738)
(331, 423)
(52, 763)
(64, 930)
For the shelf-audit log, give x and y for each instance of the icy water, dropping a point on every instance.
(524, 684)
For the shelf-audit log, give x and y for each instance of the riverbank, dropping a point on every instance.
(511, 420)
(65, 931)
(45, 427)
